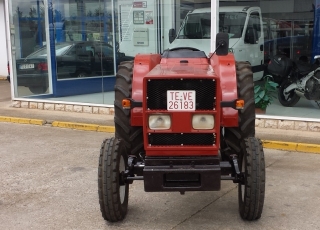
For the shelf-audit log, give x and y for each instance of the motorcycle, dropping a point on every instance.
(296, 79)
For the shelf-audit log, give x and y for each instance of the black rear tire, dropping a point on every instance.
(38, 89)
(287, 99)
(131, 135)
(252, 191)
(113, 191)
(234, 136)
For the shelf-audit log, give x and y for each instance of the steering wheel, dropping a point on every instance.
(184, 48)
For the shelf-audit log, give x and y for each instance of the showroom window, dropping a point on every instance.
(69, 50)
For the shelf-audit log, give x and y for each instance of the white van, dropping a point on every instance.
(243, 24)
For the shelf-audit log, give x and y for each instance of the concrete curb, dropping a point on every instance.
(60, 124)
(292, 146)
(289, 146)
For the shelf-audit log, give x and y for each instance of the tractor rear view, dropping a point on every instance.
(183, 122)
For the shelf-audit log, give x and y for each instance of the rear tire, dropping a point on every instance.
(252, 191)
(131, 135)
(38, 89)
(234, 136)
(287, 99)
(113, 191)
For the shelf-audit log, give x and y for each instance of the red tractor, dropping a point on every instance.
(183, 122)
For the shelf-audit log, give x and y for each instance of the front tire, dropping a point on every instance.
(287, 99)
(251, 191)
(112, 189)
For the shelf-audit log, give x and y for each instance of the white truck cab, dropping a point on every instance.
(242, 23)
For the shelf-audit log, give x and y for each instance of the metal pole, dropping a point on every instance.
(214, 24)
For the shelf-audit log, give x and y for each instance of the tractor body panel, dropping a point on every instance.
(181, 139)
(222, 66)
(143, 63)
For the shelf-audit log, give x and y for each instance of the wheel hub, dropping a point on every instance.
(122, 185)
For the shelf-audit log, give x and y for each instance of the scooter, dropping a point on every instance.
(296, 79)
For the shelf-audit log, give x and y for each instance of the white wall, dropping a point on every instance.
(3, 44)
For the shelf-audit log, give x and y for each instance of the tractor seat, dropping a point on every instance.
(183, 53)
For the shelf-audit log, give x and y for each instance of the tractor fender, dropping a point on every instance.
(143, 64)
(225, 69)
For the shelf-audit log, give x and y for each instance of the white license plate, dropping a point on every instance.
(182, 100)
(26, 66)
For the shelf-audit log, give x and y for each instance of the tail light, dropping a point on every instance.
(43, 66)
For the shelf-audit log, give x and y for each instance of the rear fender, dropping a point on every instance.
(143, 64)
(224, 67)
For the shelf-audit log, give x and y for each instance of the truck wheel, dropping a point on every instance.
(132, 136)
(287, 99)
(234, 136)
(251, 190)
(113, 191)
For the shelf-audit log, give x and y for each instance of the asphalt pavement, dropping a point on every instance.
(296, 140)
(48, 180)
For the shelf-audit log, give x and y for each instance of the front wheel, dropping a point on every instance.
(112, 189)
(252, 188)
(287, 99)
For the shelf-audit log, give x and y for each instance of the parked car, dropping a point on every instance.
(73, 60)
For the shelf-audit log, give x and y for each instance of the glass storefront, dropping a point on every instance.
(69, 50)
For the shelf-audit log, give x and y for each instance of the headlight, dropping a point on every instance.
(159, 121)
(202, 121)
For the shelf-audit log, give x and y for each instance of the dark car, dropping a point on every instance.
(73, 60)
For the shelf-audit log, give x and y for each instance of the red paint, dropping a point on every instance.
(143, 64)
(221, 68)
(182, 121)
(224, 67)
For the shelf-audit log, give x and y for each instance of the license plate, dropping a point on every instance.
(26, 66)
(182, 100)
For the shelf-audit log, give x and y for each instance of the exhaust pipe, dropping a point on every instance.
(299, 93)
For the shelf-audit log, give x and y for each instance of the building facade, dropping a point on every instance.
(66, 52)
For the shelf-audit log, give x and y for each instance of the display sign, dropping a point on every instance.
(139, 4)
(138, 17)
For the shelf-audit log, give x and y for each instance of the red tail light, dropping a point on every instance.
(43, 66)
